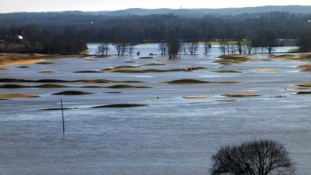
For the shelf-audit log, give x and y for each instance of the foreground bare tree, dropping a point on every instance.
(102, 49)
(263, 157)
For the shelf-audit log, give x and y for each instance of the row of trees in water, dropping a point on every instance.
(248, 30)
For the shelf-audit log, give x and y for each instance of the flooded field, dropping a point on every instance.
(168, 116)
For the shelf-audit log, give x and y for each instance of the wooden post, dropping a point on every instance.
(61, 102)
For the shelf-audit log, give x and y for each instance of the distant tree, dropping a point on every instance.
(173, 46)
(223, 46)
(193, 47)
(305, 42)
(248, 46)
(263, 157)
(131, 48)
(232, 48)
(239, 43)
(163, 47)
(102, 49)
(269, 40)
(206, 47)
(183, 47)
(121, 48)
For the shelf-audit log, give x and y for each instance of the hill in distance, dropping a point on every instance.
(203, 12)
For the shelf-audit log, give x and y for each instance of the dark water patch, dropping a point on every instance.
(227, 71)
(144, 71)
(145, 57)
(226, 101)
(72, 93)
(279, 96)
(14, 80)
(186, 81)
(120, 86)
(240, 95)
(123, 105)
(94, 81)
(304, 93)
(193, 81)
(51, 81)
(87, 71)
(123, 67)
(93, 87)
(107, 81)
(129, 62)
(51, 86)
(12, 86)
(56, 109)
(45, 62)
(17, 80)
(23, 67)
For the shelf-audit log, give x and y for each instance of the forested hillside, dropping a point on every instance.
(47, 31)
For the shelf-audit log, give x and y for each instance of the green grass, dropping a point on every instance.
(85, 52)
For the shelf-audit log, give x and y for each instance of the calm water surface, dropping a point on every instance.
(171, 136)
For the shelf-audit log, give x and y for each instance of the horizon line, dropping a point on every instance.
(181, 8)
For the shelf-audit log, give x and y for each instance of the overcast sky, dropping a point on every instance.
(98, 5)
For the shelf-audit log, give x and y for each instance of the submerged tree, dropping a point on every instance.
(102, 49)
(305, 42)
(193, 47)
(163, 47)
(263, 157)
(173, 46)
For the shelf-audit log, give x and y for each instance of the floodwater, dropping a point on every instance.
(170, 136)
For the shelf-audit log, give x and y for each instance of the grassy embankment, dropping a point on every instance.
(8, 59)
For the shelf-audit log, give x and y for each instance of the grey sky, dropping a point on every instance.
(98, 5)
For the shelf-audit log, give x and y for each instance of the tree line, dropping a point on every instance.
(69, 33)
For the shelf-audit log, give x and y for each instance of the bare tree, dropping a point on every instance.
(193, 47)
(183, 47)
(248, 45)
(131, 48)
(173, 46)
(121, 48)
(263, 157)
(103, 49)
(223, 46)
(163, 47)
(231, 48)
(207, 47)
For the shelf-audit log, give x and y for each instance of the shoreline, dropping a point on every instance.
(10, 59)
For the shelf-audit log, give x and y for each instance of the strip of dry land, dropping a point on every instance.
(9, 59)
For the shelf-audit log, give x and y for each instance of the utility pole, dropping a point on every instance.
(61, 102)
